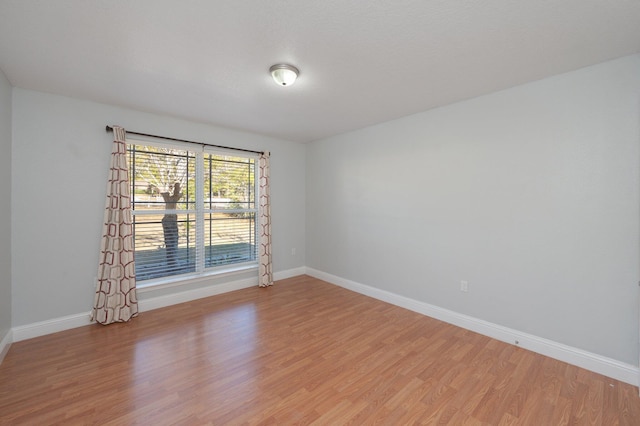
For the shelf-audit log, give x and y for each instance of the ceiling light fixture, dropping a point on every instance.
(283, 74)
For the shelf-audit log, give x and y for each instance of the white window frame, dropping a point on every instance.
(201, 271)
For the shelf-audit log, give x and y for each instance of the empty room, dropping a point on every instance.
(336, 212)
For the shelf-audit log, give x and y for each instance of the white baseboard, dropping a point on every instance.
(289, 273)
(189, 295)
(5, 344)
(78, 320)
(211, 290)
(593, 362)
(54, 325)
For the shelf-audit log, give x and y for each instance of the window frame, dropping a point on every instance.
(200, 151)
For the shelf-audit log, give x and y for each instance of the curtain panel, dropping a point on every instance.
(115, 298)
(265, 273)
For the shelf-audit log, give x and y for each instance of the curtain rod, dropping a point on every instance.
(110, 129)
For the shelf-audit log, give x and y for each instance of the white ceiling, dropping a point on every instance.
(361, 61)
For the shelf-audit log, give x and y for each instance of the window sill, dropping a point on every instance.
(177, 281)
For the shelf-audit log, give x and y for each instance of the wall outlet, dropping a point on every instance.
(293, 251)
(464, 286)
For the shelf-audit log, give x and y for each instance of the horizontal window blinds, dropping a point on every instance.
(194, 210)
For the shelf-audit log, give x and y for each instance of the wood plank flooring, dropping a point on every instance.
(300, 352)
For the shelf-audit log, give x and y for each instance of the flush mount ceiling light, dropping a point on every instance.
(283, 74)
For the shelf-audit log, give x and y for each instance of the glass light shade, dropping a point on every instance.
(284, 75)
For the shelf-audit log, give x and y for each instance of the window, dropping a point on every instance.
(194, 210)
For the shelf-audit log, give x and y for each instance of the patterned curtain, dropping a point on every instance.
(265, 270)
(115, 298)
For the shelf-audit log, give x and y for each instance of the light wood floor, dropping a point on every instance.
(301, 352)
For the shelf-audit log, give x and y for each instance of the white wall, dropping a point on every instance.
(5, 208)
(530, 194)
(60, 162)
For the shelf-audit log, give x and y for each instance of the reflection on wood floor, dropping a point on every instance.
(300, 352)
